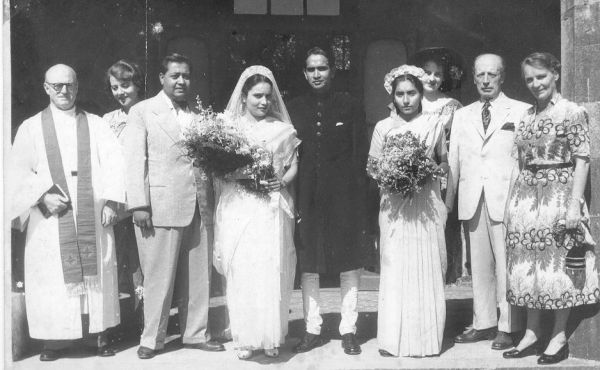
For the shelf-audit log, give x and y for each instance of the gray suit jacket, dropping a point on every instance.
(159, 176)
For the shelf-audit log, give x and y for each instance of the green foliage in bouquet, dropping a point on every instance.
(404, 166)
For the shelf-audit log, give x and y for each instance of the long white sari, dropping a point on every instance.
(412, 306)
(254, 245)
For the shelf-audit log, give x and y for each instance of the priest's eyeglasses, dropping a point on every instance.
(59, 86)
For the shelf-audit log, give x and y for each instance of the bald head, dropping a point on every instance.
(488, 75)
(60, 85)
(59, 71)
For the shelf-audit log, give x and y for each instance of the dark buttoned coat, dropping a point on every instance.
(331, 181)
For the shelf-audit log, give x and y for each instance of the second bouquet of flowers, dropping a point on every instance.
(404, 166)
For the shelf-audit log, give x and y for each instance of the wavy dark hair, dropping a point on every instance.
(445, 58)
(319, 51)
(126, 70)
(446, 84)
(174, 58)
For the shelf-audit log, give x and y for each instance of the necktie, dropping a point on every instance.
(486, 116)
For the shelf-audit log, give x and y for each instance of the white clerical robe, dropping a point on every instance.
(51, 312)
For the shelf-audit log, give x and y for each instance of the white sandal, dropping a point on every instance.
(244, 354)
(274, 352)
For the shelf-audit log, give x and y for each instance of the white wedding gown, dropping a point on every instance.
(254, 247)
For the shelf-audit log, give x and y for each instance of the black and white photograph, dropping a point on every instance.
(301, 184)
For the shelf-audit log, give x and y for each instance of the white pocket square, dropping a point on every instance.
(339, 124)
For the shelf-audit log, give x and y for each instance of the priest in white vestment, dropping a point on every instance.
(65, 178)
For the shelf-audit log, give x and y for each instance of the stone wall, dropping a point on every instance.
(580, 58)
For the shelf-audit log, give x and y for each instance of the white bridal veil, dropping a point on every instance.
(236, 106)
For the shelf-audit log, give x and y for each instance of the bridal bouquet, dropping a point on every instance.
(404, 166)
(261, 169)
(220, 147)
(216, 144)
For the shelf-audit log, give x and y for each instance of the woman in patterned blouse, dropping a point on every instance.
(550, 256)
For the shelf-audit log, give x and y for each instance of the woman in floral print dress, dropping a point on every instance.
(551, 261)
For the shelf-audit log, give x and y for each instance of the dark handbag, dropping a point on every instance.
(581, 241)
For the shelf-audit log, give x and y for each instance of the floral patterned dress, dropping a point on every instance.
(549, 267)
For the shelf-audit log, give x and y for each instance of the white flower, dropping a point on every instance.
(139, 292)
(19, 284)
(157, 28)
(455, 73)
(402, 70)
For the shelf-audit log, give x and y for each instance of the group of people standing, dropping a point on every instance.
(519, 173)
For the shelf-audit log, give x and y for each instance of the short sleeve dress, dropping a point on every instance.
(549, 267)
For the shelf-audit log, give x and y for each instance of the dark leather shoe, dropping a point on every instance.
(350, 345)
(210, 346)
(145, 353)
(105, 351)
(384, 353)
(308, 342)
(49, 355)
(562, 354)
(532, 349)
(502, 341)
(475, 335)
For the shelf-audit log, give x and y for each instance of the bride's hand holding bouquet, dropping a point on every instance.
(404, 166)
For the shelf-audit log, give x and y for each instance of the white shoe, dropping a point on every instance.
(272, 352)
(244, 354)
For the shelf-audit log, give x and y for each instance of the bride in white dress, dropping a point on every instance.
(412, 306)
(254, 245)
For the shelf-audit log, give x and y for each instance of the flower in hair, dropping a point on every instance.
(456, 73)
(400, 71)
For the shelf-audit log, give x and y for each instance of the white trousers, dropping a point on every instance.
(488, 268)
(349, 281)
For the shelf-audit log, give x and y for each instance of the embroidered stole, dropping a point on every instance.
(77, 242)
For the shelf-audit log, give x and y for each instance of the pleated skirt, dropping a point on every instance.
(412, 306)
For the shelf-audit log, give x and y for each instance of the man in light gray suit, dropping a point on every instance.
(171, 204)
(480, 170)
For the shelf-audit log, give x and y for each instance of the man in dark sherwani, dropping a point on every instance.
(331, 197)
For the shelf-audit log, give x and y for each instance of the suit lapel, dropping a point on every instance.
(166, 119)
(498, 117)
(476, 120)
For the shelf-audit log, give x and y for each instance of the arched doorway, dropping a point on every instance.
(381, 57)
